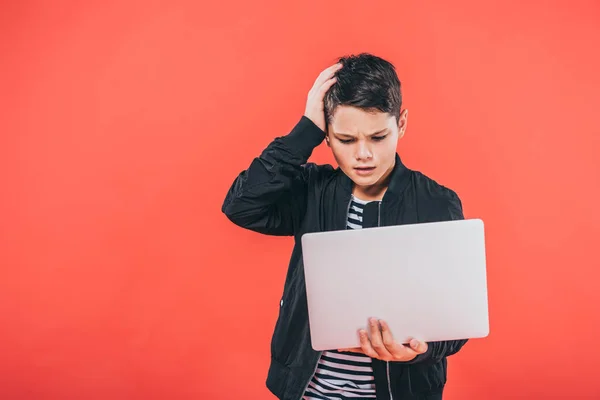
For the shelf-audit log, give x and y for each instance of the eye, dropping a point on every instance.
(346, 141)
(379, 138)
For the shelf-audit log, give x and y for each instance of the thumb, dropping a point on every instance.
(418, 347)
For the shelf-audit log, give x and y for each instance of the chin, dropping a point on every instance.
(365, 180)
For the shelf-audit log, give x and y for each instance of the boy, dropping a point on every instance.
(356, 107)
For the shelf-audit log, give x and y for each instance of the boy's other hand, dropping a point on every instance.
(315, 110)
(383, 346)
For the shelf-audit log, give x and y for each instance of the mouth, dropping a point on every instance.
(364, 170)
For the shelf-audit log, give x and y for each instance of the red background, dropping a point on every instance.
(124, 123)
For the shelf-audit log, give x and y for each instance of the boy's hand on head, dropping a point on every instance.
(315, 110)
(383, 346)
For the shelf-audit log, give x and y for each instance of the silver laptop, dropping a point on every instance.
(427, 281)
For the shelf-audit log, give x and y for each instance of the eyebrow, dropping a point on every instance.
(370, 134)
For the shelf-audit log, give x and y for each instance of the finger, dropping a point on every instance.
(325, 86)
(331, 70)
(418, 346)
(318, 91)
(397, 350)
(365, 344)
(386, 334)
(326, 74)
(377, 340)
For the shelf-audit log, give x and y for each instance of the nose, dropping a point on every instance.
(363, 152)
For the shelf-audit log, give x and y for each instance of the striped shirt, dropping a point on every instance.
(341, 375)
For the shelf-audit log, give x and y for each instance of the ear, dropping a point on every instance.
(402, 122)
(327, 132)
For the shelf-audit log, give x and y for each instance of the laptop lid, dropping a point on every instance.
(427, 281)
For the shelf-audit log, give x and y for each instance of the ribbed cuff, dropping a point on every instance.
(304, 137)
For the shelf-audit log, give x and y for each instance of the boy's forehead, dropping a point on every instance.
(352, 120)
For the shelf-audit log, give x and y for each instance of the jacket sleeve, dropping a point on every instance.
(270, 196)
(446, 208)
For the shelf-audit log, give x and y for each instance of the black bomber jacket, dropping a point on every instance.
(282, 194)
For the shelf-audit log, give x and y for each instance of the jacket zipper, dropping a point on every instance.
(389, 381)
(347, 211)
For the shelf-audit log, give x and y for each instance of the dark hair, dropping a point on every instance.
(365, 81)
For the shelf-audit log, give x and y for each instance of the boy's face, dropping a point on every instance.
(364, 143)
